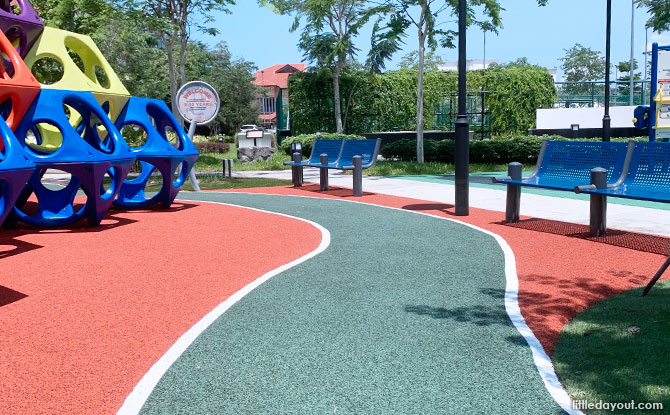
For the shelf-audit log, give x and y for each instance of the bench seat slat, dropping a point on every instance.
(648, 177)
(566, 164)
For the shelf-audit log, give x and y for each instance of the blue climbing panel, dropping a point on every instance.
(15, 169)
(92, 151)
(167, 150)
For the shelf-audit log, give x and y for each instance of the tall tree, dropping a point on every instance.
(80, 16)
(328, 32)
(582, 64)
(431, 61)
(659, 14)
(624, 77)
(424, 15)
(172, 21)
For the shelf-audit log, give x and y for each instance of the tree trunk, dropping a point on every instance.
(336, 96)
(169, 50)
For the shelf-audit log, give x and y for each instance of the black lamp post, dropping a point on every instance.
(606, 117)
(462, 159)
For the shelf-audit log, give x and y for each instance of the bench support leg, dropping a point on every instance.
(598, 220)
(358, 176)
(296, 177)
(323, 173)
(513, 207)
(656, 276)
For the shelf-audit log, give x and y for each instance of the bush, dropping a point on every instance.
(387, 102)
(501, 150)
(210, 147)
(307, 141)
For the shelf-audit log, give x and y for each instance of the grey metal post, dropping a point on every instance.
(462, 126)
(228, 165)
(194, 180)
(358, 176)
(295, 170)
(513, 194)
(607, 120)
(323, 173)
(598, 223)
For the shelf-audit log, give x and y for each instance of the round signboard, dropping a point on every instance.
(198, 102)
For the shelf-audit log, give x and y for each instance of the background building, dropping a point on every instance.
(273, 97)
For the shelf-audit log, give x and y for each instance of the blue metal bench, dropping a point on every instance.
(646, 176)
(355, 155)
(562, 165)
(321, 146)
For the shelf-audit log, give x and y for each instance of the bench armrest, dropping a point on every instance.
(579, 189)
(499, 178)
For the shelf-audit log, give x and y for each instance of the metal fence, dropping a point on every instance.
(476, 109)
(592, 94)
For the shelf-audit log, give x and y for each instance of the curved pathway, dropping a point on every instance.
(403, 313)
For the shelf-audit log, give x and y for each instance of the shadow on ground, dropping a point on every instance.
(8, 296)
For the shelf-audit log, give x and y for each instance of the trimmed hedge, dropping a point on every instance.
(209, 147)
(387, 102)
(502, 150)
(307, 141)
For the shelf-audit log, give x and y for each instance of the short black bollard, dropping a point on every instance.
(228, 166)
(598, 225)
(296, 171)
(512, 210)
(323, 173)
(358, 176)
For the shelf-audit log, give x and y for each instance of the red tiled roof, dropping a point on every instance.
(277, 75)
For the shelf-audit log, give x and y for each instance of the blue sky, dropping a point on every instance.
(539, 33)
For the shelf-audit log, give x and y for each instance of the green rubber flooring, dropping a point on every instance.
(402, 314)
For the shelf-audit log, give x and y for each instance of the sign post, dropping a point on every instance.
(198, 103)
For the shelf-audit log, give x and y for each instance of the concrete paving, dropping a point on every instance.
(630, 218)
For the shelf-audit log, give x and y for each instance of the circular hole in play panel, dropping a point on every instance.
(11, 6)
(99, 136)
(101, 76)
(47, 70)
(155, 180)
(171, 136)
(109, 183)
(43, 138)
(6, 108)
(106, 106)
(134, 134)
(179, 175)
(54, 179)
(76, 59)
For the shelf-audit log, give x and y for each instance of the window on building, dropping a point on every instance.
(266, 105)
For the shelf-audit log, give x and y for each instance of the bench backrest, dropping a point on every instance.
(367, 149)
(324, 146)
(573, 160)
(650, 167)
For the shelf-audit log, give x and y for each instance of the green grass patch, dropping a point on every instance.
(219, 182)
(618, 351)
(213, 161)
